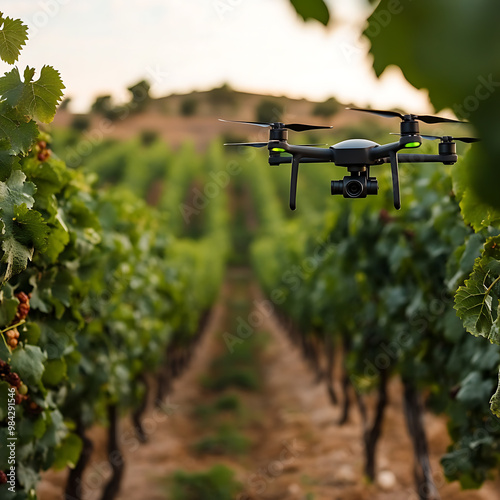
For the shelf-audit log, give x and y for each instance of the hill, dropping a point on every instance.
(178, 118)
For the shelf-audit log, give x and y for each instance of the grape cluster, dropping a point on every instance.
(33, 409)
(43, 152)
(24, 306)
(14, 380)
(12, 335)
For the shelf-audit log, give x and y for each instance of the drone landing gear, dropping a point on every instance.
(293, 181)
(395, 179)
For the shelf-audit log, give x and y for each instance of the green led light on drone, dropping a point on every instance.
(278, 150)
(412, 145)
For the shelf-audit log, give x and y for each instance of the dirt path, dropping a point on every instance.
(297, 451)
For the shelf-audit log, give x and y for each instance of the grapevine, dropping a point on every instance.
(95, 287)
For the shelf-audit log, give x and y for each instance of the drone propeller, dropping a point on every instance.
(422, 118)
(251, 144)
(264, 144)
(445, 138)
(448, 138)
(296, 127)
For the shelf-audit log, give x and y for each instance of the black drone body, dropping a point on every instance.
(357, 155)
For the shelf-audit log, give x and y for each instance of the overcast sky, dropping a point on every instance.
(103, 46)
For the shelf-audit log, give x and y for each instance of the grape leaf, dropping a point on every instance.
(27, 362)
(475, 210)
(15, 257)
(68, 453)
(18, 134)
(16, 191)
(55, 372)
(35, 99)
(312, 9)
(495, 399)
(8, 308)
(16, 197)
(27, 477)
(477, 301)
(13, 35)
(474, 390)
(29, 227)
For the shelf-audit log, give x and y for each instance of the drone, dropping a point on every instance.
(357, 155)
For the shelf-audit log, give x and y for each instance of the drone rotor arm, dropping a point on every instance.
(383, 151)
(325, 154)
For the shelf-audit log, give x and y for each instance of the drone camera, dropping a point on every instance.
(355, 186)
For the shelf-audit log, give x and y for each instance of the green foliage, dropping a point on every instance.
(312, 9)
(27, 362)
(35, 99)
(218, 483)
(269, 110)
(80, 123)
(109, 286)
(235, 368)
(239, 378)
(474, 208)
(419, 38)
(477, 301)
(140, 91)
(228, 402)
(222, 96)
(13, 36)
(189, 106)
(226, 441)
(495, 399)
(102, 105)
(23, 229)
(140, 96)
(148, 137)
(18, 136)
(378, 282)
(225, 403)
(68, 453)
(327, 108)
